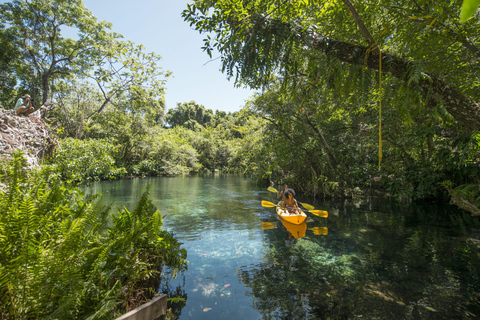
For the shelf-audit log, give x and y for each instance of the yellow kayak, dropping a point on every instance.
(292, 218)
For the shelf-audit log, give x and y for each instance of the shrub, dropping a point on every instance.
(86, 160)
(66, 257)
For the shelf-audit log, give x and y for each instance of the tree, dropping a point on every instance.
(36, 27)
(97, 54)
(8, 60)
(187, 113)
(125, 68)
(77, 101)
(339, 62)
(420, 44)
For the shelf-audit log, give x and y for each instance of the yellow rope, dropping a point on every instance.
(380, 115)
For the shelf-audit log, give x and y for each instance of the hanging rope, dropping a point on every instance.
(380, 113)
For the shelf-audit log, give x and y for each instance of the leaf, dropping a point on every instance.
(469, 7)
(227, 285)
(431, 309)
(431, 23)
(207, 309)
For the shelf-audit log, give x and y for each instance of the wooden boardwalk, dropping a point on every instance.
(153, 310)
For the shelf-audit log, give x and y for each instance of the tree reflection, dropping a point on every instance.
(177, 299)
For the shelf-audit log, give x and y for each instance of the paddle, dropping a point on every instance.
(272, 189)
(319, 231)
(267, 225)
(320, 213)
(306, 205)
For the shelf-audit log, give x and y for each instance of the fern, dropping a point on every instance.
(62, 256)
(414, 74)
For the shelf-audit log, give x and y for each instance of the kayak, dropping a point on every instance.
(292, 218)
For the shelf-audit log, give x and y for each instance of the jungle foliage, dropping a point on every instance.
(46, 58)
(64, 256)
(334, 75)
(361, 94)
(119, 144)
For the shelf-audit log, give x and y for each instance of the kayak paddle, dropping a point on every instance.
(306, 205)
(320, 213)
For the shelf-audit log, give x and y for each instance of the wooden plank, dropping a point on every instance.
(155, 309)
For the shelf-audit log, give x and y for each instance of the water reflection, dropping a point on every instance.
(320, 231)
(370, 259)
(296, 230)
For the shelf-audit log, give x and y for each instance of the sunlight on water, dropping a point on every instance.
(369, 259)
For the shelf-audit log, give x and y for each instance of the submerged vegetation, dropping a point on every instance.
(381, 261)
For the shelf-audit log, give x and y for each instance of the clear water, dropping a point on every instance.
(370, 259)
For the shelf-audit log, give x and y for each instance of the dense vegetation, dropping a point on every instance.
(64, 256)
(358, 95)
(355, 96)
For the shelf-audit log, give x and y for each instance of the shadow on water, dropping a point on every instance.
(371, 259)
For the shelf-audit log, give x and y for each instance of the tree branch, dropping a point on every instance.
(463, 204)
(371, 42)
(461, 107)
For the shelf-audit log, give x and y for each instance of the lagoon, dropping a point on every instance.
(372, 258)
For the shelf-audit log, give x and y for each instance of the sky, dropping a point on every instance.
(158, 25)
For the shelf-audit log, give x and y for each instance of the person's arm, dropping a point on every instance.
(30, 105)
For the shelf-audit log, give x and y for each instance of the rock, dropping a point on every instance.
(27, 133)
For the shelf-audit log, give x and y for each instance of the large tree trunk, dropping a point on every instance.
(461, 107)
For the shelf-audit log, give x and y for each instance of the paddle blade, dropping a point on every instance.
(268, 204)
(307, 206)
(320, 213)
(272, 189)
(267, 225)
(320, 231)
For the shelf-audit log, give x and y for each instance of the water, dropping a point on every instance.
(370, 259)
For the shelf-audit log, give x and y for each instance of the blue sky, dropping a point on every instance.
(158, 25)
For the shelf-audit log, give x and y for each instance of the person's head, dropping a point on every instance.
(289, 192)
(26, 96)
(285, 187)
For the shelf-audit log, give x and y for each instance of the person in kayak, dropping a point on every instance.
(289, 202)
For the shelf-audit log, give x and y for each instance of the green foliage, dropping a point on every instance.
(469, 7)
(321, 145)
(36, 26)
(48, 57)
(167, 152)
(322, 118)
(9, 54)
(86, 160)
(65, 257)
(77, 102)
(261, 39)
(190, 115)
(470, 192)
